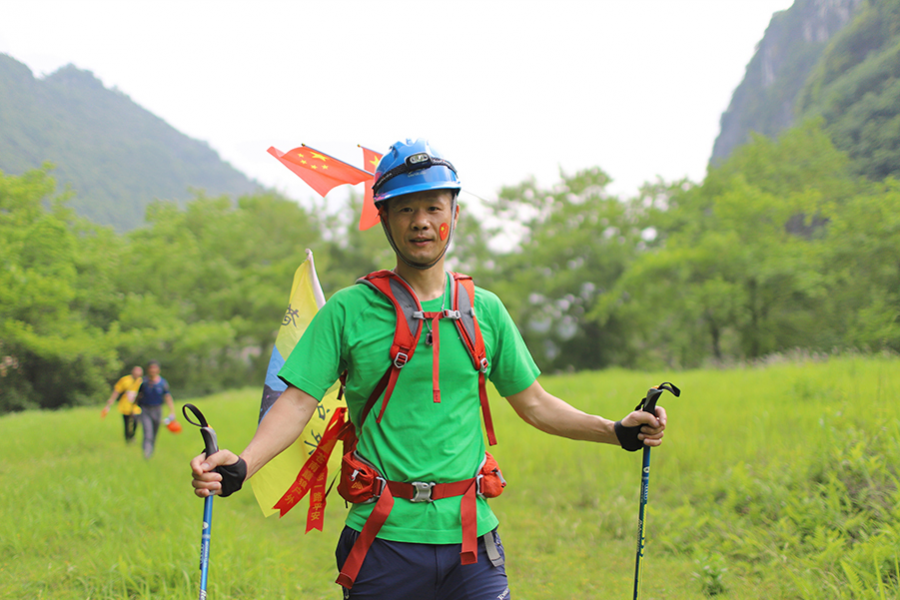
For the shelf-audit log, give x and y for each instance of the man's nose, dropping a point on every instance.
(420, 220)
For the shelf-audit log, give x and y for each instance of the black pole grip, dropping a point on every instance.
(208, 433)
(209, 439)
(653, 395)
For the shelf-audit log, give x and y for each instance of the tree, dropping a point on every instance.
(578, 240)
(862, 268)
(52, 353)
(736, 271)
(207, 286)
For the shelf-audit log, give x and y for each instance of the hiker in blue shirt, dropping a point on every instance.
(154, 390)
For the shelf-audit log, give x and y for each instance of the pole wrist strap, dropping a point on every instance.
(233, 477)
(628, 437)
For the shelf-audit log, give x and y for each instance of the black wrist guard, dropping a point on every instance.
(233, 477)
(628, 437)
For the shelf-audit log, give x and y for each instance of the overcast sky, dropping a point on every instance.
(506, 90)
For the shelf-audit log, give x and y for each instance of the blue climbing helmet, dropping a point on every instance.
(412, 166)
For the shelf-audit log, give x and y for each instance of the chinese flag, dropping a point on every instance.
(320, 171)
(369, 217)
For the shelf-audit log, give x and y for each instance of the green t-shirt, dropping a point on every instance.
(417, 439)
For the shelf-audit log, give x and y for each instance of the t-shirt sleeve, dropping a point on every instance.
(121, 385)
(512, 369)
(315, 362)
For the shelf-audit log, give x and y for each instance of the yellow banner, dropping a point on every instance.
(273, 480)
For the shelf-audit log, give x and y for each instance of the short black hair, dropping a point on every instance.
(150, 363)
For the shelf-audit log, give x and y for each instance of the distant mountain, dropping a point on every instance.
(855, 87)
(766, 100)
(117, 156)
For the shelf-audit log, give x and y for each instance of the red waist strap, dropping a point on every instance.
(415, 492)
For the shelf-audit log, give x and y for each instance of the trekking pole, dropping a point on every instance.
(648, 404)
(209, 439)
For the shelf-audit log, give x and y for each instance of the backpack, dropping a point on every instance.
(360, 481)
(410, 318)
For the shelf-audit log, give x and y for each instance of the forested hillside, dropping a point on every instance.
(856, 88)
(835, 59)
(766, 100)
(116, 156)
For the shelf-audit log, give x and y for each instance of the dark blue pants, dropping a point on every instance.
(404, 571)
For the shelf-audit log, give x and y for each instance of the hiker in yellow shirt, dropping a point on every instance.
(126, 390)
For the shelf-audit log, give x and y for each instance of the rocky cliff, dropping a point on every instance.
(766, 101)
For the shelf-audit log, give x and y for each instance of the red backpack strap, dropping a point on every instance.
(470, 332)
(406, 334)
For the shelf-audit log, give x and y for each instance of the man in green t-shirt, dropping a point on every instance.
(421, 436)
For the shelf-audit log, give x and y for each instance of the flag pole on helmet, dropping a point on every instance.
(414, 166)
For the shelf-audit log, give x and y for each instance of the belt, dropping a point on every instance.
(417, 491)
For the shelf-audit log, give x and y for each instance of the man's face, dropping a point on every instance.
(153, 370)
(137, 372)
(420, 224)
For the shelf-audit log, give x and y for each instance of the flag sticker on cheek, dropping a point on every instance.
(444, 231)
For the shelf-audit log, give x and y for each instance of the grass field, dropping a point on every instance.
(777, 481)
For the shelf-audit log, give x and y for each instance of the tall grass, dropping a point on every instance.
(777, 481)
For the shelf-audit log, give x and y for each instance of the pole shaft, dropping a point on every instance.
(204, 544)
(645, 490)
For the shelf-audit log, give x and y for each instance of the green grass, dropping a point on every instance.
(774, 482)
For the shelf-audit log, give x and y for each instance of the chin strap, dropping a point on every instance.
(415, 265)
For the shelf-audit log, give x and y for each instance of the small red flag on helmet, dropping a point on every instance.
(322, 172)
(369, 217)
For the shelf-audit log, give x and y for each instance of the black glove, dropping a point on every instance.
(628, 437)
(233, 477)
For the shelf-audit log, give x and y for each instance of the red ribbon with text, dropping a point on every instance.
(313, 475)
